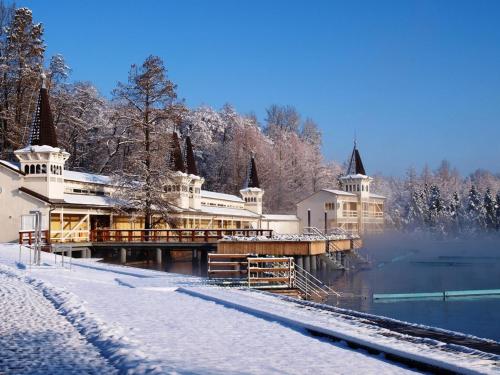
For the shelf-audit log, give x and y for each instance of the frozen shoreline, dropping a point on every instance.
(148, 321)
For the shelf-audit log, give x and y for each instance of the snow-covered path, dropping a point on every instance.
(35, 339)
(144, 321)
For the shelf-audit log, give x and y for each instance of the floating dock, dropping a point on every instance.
(438, 295)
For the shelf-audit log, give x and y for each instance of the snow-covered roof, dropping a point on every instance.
(90, 200)
(87, 177)
(39, 149)
(338, 192)
(354, 176)
(251, 189)
(280, 217)
(376, 196)
(227, 211)
(221, 196)
(11, 165)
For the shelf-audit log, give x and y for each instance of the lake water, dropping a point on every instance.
(403, 264)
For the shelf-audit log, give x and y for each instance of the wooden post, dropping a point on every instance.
(158, 256)
(123, 255)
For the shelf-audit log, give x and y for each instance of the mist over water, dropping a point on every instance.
(410, 264)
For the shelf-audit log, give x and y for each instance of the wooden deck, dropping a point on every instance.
(286, 248)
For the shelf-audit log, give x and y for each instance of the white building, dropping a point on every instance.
(73, 203)
(353, 207)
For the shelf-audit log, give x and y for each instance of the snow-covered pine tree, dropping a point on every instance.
(455, 214)
(497, 210)
(435, 208)
(489, 211)
(475, 217)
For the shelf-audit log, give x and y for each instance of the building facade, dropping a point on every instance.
(353, 207)
(74, 203)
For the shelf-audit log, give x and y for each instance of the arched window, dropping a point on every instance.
(32, 169)
(26, 169)
(44, 168)
(38, 169)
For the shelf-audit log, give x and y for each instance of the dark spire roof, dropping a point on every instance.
(176, 159)
(190, 160)
(43, 132)
(253, 179)
(355, 164)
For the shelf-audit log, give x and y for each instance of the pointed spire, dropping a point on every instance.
(355, 164)
(252, 179)
(176, 159)
(190, 160)
(42, 131)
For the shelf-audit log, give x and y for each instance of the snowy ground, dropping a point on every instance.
(108, 318)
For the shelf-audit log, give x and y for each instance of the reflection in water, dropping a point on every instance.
(403, 264)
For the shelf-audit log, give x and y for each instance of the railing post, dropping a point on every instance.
(29, 238)
(206, 235)
(192, 235)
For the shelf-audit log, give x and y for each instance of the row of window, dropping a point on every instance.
(357, 187)
(42, 169)
(178, 188)
(93, 192)
(253, 199)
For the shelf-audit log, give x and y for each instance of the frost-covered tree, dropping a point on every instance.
(497, 210)
(475, 214)
(489, 211)
(147, 107)
(22, 63)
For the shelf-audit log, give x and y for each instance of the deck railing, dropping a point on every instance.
(28, 237)
(172, 235)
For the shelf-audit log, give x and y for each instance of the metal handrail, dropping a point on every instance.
(315, 281)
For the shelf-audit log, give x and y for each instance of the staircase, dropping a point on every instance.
(311, 288)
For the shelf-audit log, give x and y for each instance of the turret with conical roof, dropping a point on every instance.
(42, 161)
(252, 193)
(190, 160)
(176, 158)
(356, 181)
(42, 131)
(356, 164)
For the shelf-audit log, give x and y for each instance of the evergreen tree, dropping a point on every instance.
(455, 213)
(489, 211)
(475, 210)
(435, 206)
(497, 211)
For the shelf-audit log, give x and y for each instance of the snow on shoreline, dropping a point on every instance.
(145, 321)
(123, 353)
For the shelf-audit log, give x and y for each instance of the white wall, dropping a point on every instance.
(316, 203)
(281, 227)
(14, 204)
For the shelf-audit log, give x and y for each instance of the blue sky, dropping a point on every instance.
(418, 81)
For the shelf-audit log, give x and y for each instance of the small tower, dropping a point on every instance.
(42, 161)
(196, 181)
(177, 191)
(356, 181)
(252, 193)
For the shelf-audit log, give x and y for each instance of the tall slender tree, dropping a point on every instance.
(147, 105)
